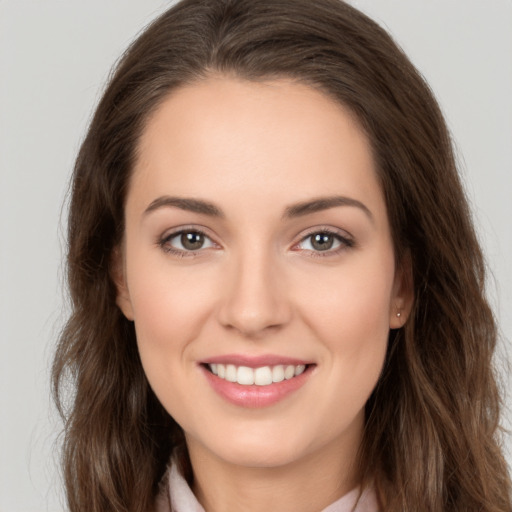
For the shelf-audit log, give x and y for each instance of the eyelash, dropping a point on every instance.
(163, 242)
(345, 242)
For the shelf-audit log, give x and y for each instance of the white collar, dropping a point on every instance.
(176, 496)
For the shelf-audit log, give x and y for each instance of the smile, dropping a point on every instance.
(261, 376)
(256, 382)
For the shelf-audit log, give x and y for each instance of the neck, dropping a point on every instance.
(311, 483)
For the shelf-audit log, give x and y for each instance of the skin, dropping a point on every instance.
(259, 286)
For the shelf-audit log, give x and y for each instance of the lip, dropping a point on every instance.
(253, 396)
(255, 361)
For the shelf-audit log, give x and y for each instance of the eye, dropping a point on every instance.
(186, 241)
(324, 241)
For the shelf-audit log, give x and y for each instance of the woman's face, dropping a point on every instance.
(258, 248)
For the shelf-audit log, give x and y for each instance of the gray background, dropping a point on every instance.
(54, 58)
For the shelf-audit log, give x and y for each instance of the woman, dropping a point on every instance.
(277, 289)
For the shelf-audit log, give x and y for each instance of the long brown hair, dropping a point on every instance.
(431, 441)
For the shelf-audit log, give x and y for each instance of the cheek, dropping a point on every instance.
(167, 313)
(169, 309)
(352, 322)
(352, 302)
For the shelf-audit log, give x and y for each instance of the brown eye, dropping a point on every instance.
(325, 242)
(192, 241)
(186, 242)
(322, 241)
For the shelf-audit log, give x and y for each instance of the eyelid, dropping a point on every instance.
(162, 240)
(346, 240)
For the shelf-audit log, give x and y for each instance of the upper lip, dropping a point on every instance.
(255, 361)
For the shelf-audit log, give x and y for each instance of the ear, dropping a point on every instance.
(403, 293)
(118, 276)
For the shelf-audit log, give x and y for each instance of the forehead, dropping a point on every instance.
(266, 139)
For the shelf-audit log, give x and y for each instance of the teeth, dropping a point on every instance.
(299, 369)
(289, 372)
(245, 375)
(278, 373)
(231, 373)
(262, 376)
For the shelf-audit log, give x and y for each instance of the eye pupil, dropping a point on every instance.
(192, 241)
(322, 241)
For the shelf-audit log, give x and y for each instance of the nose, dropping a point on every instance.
(255, 299)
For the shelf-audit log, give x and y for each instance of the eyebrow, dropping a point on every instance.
(187, 204)
(296, 210)
(324, 203)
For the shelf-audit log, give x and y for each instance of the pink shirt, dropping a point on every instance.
(177, 496)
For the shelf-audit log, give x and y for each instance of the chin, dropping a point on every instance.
(261, 456)
(264, 449)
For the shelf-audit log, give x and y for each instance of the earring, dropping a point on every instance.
(399, 314)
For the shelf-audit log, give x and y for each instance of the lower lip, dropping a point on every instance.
(256, 396)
